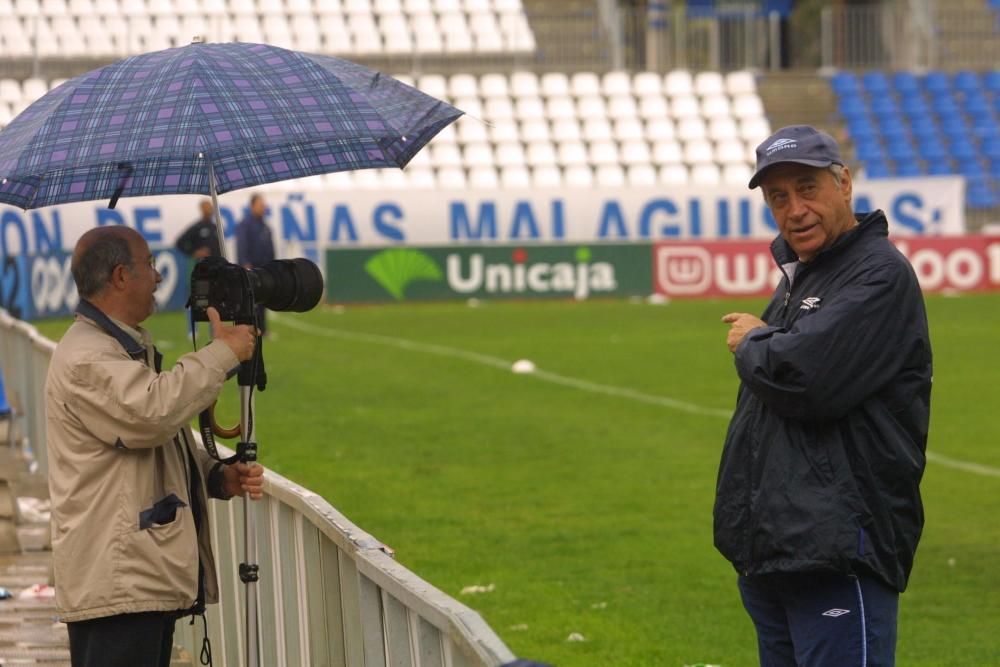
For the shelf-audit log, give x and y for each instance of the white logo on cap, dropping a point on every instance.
(781, 144)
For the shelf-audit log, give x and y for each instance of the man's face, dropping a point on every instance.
(142, 280)
(258, 207)
(811, 211)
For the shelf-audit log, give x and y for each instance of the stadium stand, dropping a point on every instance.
(936, 123)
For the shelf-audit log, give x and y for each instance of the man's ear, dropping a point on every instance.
(846, 183)
(118, 277)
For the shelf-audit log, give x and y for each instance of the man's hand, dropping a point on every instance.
(240, 479)
(240, 338)
(741, 325)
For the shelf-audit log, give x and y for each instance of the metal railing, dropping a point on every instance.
(330, 594)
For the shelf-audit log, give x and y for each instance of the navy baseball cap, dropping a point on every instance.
(796, 143)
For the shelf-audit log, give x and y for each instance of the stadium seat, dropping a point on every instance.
(685, 106)
(515, 177)
(483, 177)
(597, 129)
(622, 106)
(940, 168)
(610, 176)
(535, 130)
(845, 83)
(967, 82)
(572, 153)
(566, 129)
(524, 84)
(529, 108)
(723, 128)
(546, 177)
(585, 84)
(730, 151)
(603, 153)
(478, 155)
(905, 83)
(667, 151)
(748, 106)
(541, 154)
(876, 84)
(991, 81)
(647, 84)
(628, 129)
(578, 176)
(706, 174)
(674, 174)
(736, 174)
(641, 175)
(635, 153)
(709, 83)
(660, 128)
(653, 106)
(937, 82)
(678, 83)
(691, 128)
(451, 178)
(560, 107)
(498, 108)
(510, 155)
(715, 106)
(876, 169)
(591, 106)
(741, 82)
(699, 151)
(616, 83)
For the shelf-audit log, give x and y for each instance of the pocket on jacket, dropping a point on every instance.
(162, 512)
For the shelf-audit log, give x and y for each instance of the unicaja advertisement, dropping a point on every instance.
(488, 272)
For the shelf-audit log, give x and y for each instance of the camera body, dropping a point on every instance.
(293, 284)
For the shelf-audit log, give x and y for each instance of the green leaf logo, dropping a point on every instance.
(396, 268)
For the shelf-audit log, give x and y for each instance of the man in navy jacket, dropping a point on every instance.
(818, 500)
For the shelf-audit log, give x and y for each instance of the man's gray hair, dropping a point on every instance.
(838, 174)
(93, 268)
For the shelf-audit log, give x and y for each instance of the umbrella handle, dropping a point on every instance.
(219, 430)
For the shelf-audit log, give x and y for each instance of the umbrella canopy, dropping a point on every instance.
(250, 114)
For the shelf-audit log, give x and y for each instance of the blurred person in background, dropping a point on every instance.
(201, 239)
(128, 482)
(818, 501)
(254, 245)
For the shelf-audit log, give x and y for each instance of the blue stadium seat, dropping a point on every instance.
(863, 132)
(924, 128)
(995, 169)
(877, 169)
(979, 193)
(963, 151)
(884, 104)
(875, 84)
(971, 169)
(954, 127)
(933, 151)
(940, 167)
(870, 151)
(894, 129)
(901, 151)
(907, 168)
(976, 105)
(985, 128)
(991, 148)
(944, 104)
(991, 81)
(905, 83)
(851, 106)
(937, 82)
(914, 105)
(845, 83)
(967, 82)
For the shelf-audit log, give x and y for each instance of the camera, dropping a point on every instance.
(281, 284)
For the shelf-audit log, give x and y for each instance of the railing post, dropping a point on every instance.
(826, 38)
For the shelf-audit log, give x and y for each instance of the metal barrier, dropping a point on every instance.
(330, 594)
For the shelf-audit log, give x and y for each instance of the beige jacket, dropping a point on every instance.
(123, 531)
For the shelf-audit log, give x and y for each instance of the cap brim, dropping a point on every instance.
(755, 181)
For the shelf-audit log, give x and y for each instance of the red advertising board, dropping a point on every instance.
(745, 268)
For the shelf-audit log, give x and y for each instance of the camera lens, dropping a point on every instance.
(288, 284)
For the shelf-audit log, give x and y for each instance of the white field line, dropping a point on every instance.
(575, 383)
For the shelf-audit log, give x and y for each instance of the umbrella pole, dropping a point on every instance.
(212, 190)
(249, 567)
(248, 454)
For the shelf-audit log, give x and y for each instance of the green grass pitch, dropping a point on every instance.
(583, 493)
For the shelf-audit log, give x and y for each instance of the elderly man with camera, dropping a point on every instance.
(129, 485)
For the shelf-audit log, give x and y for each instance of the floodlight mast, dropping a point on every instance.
(247, 451)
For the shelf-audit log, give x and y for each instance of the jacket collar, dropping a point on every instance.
(133, 347)
(868, 223)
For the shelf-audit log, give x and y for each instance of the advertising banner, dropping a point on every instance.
(488, 272)
(306, 223)
(35, 287)
(745, 268)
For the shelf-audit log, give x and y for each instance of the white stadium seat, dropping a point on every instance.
(674, 174)
(647, 83)
(677, 83)
(578, 176)
(741, 83)
(546, 177)
(524, 84)
(515, 177)
(709, 83)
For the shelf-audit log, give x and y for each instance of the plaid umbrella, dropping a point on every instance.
(206, 117)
